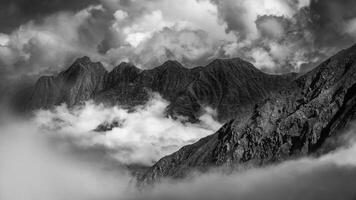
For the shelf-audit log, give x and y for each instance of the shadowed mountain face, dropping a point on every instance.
(230, 86)
(294, 122)
(80, 82)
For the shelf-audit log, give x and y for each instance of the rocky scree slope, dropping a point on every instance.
(295, 122)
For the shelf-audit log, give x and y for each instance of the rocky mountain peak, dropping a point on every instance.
(232, 64)
(125, 67)
(172, 64)
(123, 74)
(79, 83)
(84, 64)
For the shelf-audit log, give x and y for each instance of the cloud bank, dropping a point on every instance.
(143, 135)
(33, 168)
(329, 177)
(37, 164)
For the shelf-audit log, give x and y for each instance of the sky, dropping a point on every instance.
(278, 36)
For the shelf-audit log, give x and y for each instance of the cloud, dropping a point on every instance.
(37, 164)
(241, 15)
(112, 32)
(13, 13)
(55, 155)
(270, 34)
(190, 46)
(329, 19)
(329, 177)
(38, 48)
(153, 32)
(277, 36)
(33, 168)
(310, 30)
(143, 136)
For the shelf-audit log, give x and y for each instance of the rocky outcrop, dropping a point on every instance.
(231, 86)
(293, 122)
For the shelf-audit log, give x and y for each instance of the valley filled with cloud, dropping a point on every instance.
(57, 155)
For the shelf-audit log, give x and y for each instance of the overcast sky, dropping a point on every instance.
(277, 36)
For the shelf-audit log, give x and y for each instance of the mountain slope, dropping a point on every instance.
(167, 80)
(294, 122)
(231, 86)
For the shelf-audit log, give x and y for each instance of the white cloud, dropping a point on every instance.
(120, 15)
(147, 33)
(32, 168)
(351, 27)
(272, 28)
(143, 28)
(262, 59)
(37, 164)
(4, 39)
(52, 44)
(144, 136)
(303, 3)
(241, 15)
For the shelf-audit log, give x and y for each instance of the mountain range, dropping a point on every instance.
(268, 118)
(231, 86)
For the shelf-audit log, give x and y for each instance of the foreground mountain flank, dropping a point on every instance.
(294, 122)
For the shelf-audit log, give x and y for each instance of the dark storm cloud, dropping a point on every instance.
(13, 13)
(291, 35)
(332, 26)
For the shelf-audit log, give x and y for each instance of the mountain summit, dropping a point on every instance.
(79, 83)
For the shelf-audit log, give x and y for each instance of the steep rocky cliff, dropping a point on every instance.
(293, 122)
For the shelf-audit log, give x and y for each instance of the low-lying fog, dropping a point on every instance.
(56, 155)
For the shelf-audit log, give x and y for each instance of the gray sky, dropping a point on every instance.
(277, 36)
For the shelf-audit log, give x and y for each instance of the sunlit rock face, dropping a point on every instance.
(230, 86)
(294, 122)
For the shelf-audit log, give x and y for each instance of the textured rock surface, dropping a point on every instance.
(230, 86)
(294, 122)
(79, 83)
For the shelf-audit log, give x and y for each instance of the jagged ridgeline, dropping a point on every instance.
(294, 122)
(231, 86)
